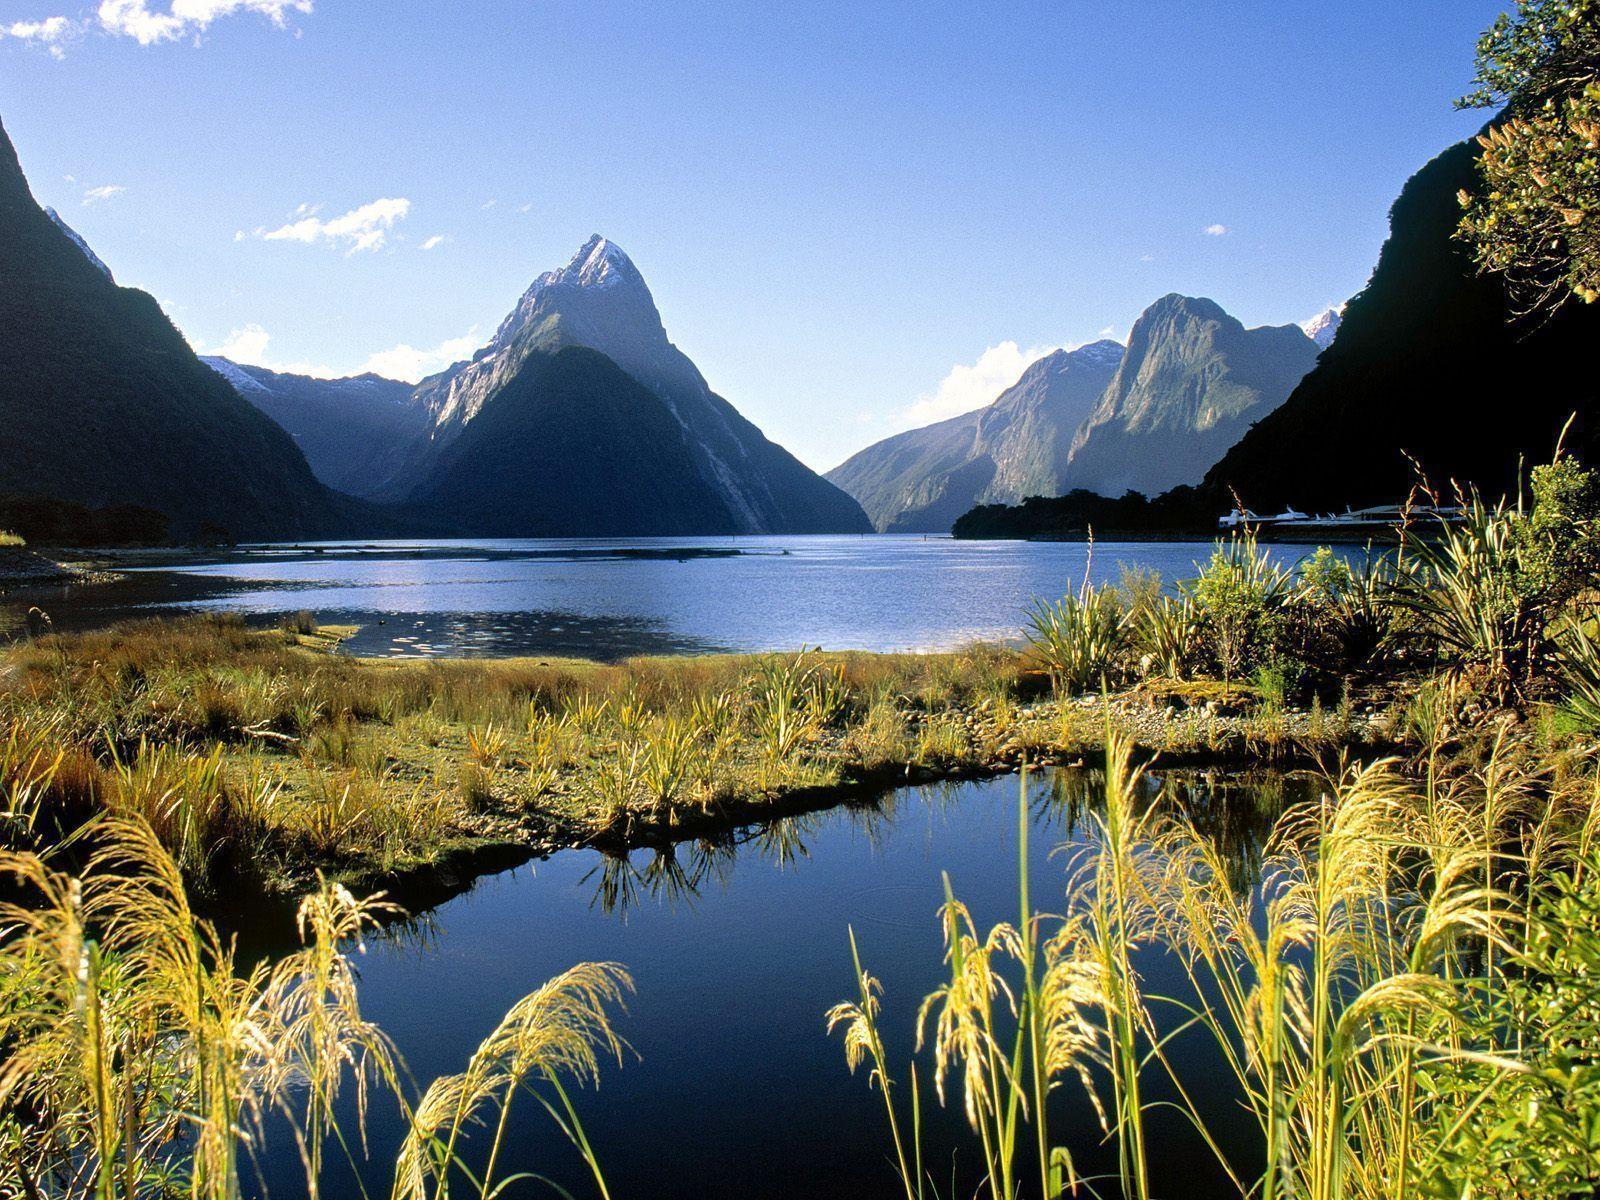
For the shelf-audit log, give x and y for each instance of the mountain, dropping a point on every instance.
(1429, 365)
(1323, 327)
(103, 403)
(571, 445)
(1191, 383)
(600, 302)
(76, 240)
(352, 430)
(922, 480)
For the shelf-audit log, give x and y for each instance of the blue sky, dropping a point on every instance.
(853, 216)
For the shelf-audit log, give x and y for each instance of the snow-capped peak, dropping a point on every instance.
(1102, 351)
(599, 263)
(1322, 327)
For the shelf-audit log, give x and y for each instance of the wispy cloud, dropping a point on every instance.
(435, 242)
(363, 228)
(249, 344)
(1215, 230)
(972, 385)
(178, 18)
(411, 364)
(49, 32)
(104, 192)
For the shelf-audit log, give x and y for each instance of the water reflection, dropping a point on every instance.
(1234, 811)
(738, 945)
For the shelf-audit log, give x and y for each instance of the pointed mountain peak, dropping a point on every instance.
(1322, 327)
(599, 263)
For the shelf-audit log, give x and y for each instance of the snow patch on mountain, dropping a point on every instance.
(1322, 328)
(243, 382)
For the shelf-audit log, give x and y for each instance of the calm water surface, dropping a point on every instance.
(738, 948)
(609, 599)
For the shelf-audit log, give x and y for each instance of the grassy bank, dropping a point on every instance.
(264, 753)
(265, 756)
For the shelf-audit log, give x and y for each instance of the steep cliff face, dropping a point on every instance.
(1428, 366)
(572, 446)
(102, 402)
(600, 302)
(1192, 381)
(922, 480)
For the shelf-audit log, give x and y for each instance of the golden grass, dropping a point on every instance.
(143, 1060)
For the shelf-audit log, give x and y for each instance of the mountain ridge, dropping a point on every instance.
(921, 480)
(1192, 381)
(102, 402)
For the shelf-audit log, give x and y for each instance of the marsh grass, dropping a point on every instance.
(422, 744)
(1372, 998)
(143, 1060)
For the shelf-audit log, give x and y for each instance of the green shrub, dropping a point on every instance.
(1241, 595)
(1491, 593)
(1077, 639)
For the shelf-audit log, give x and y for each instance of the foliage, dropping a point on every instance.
(1076, 638)
(1492, 591)
(1531, 1125)
(1536, 219)
(1240, 595)
(143, 1060)
(1393, 1019)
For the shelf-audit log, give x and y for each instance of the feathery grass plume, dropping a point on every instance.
(320, 1034)
(1111, 885)
(562, 1029)
(140, 1061)
(862, 1041)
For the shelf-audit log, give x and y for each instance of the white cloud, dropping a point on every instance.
(96, 194)
(1215, 230)
(364, 228)
(135, 18)
(248, 344)
(410, 364)
(488, 204)
(49, 32)
(967, 387)
(434, 242)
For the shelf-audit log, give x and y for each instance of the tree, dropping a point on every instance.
(1536, 219)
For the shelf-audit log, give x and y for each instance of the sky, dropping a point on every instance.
(855, 217)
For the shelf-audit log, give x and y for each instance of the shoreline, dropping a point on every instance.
(417, 777)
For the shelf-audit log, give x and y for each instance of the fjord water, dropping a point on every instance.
(738, 948)
(609, 599)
